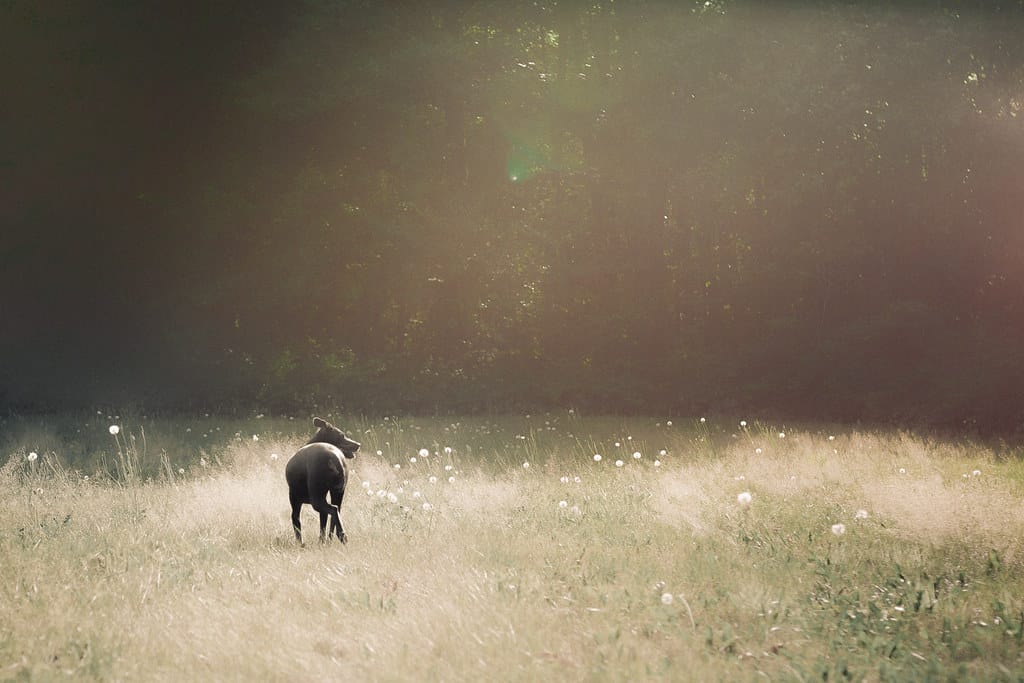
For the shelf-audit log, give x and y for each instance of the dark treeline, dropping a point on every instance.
(806, 209)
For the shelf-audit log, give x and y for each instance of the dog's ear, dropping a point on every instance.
(349, 454)
(319, 422)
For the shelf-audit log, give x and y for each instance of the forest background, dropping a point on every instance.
(805, 209)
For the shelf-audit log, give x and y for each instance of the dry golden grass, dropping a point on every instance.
(198, 577)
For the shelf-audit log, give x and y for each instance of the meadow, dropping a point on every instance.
(545, 547)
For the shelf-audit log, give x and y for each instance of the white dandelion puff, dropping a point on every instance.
(576, 479)
(782, 435)
(366, 484)
(597, 457)
(427, 507)
(758, 451)
(181, 470)
(976, 473)
(32, 456)
(451, 480)
(669, 423)
(274, 456)
(744, 498)
(861, 514)
(663, 452)
(397, 466)
(392, 498)
(114, 429)
(448, 468)
(526, 465)
(636, 455)
(619, 463)
(413, 459)
(564, 480)
(380, 452)
(743, 423)
(666, 598)
(703, 420)
(657, 463)
(424, 452)
(903, 470)
(563, 504)
(839, 529)
(447, 450)
(433, 479)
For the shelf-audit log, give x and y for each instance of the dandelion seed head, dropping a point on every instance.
(669, 423)
(564, 480)
(758, 451)
(563, 504)
(976, 473)
(782, 435)
(576, 479)
(657, 463)
(32, 456)
(380, 452)
(451, 480)
(597, 457)
(424, 452)
(448, 468)
(526, 465)
(114, 429)
(397, 466)
(703, 420)
(861, 514)
(427, 507)
(743, 423)
(839, 529)
(433, 479)
(831, 437)
(619, 463)
(412, 459)
(618, 444)
(903, 470)
(181, 470)
(274, 456)
(744, 498)
(392, 498)
(666, 598)
(663, 452)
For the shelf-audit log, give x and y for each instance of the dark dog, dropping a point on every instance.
(316, 469)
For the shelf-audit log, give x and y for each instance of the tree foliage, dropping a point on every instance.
(802, 208)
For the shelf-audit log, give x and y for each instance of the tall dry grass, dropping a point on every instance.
(568, 569)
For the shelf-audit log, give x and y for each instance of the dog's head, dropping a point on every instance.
(328, 433)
